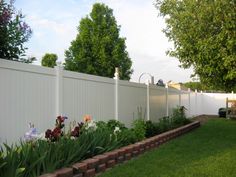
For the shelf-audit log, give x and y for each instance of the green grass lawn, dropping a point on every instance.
(207, 151)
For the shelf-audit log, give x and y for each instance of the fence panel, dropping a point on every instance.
(27, 94)
(85, 94)
(132, 96)
(157, 102)
(173, 99)
(213, 101)
(185, 101)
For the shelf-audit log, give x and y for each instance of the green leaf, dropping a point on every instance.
(19, 171)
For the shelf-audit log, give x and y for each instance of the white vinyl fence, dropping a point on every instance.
(36, 94)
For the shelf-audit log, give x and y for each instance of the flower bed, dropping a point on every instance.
(100, 163)
(46, 152)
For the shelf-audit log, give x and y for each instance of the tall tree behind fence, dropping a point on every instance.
(36, 94)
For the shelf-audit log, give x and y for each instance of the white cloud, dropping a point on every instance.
(41, 24)
(50, 36)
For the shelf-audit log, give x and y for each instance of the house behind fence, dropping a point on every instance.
(37, 95)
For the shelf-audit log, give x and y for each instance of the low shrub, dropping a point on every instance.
(126, 137)
(139, 128)
(101, 125)
(152, 129)
(164, 124)
(112, 124)
(178, 117)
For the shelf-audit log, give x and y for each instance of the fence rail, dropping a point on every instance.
(36, 94)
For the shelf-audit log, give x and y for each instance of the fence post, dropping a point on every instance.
(116, 77)
(167, 101)
(148, 101)
(201, 103)
(189, 101)
(59, 92)
(196, 107)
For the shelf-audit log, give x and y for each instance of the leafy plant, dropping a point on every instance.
(101, 125)
(112, 124)
(126, 137)
(139, 128)
(164, 124)
(152, 129)
(179, 118)
(10, 165)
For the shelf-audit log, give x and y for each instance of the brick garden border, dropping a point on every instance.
(100, 163)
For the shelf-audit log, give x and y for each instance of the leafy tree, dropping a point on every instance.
(204, 36)
(14, 32)
(98, 49)
(49, 60)
(197, 85)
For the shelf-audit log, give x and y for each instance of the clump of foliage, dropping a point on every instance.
(14, 32)
(179, 118)
(126, 137)
(152, 129)
(98, 49)
(139, 128)
(203, 33)
(112, 124)
(164, 124)
(49, 60)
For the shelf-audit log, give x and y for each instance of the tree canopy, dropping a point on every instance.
(49, 60)
(197, 86)
(14, 32)
(204, 36)
(98, 49)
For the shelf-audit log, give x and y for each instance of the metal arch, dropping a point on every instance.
(144, 74)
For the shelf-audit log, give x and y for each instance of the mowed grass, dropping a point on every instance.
(207, 151)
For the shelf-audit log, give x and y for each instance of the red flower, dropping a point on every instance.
(76, 132)
(48, 133)
(56, 133)
(60, 119)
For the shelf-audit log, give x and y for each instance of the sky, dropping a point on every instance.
(54, 24)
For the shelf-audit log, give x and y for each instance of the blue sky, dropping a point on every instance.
(54, 24)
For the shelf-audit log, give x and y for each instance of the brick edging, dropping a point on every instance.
(100, 163)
